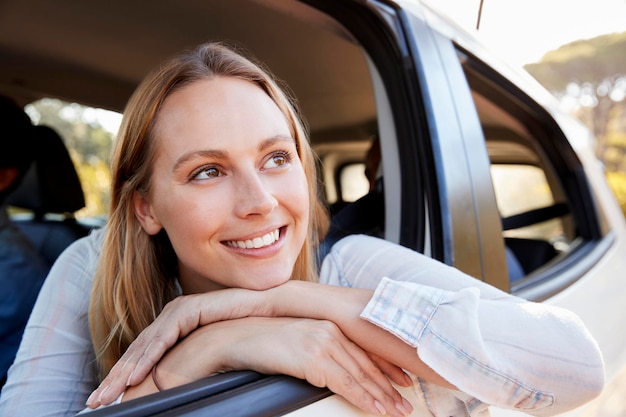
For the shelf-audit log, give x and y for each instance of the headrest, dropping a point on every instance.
(15, 136)
(51, 185)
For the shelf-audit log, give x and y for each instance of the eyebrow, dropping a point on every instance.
(275, 139)
(220, 154)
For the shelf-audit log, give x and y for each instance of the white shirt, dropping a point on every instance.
(496, 348)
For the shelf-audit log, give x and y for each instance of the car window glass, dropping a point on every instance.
(353, 182)
(540, 187)
(520, 188)
(88, 133)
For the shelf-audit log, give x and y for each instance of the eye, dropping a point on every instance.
(278, 159)
(205, 173)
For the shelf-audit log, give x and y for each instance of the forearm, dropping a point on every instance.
(495, 347)
(504, 352)
(343, 306)
(195, 357)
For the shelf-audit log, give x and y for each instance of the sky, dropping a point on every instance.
(521, 32)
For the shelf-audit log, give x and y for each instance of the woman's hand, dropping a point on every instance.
(314, 350)
(178, 319)
(317, 351)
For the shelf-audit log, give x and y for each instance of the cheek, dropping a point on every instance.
(297, 195)
(184, 213)
(191, 227)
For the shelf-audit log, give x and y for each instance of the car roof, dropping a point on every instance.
(95, 53)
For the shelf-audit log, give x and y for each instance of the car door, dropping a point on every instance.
(448, 118)
(556, 214)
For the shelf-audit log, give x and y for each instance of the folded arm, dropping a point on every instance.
(497, 348)
(441, 325)
(313, 350)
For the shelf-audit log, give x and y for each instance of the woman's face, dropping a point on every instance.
(227, 187)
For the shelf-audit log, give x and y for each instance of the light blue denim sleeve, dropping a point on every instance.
(495, 348)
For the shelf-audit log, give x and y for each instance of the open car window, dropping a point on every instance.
(88, 134)
(542, 193)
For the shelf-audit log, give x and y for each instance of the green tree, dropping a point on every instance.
(591, 74)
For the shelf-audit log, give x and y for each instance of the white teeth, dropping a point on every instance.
(257, 242)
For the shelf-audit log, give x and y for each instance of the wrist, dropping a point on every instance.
(283, 300)
(302, 299)
(318, 301)
(191, 359)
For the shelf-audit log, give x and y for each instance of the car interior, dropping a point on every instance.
(96, 53)
(51, 193)
(540, 219)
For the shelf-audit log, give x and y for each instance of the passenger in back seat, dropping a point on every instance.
(365, 215)
(22, 270)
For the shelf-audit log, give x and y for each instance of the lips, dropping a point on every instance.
(257, 242)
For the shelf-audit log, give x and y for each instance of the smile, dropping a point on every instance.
(257, 242)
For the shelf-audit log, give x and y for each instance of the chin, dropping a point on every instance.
(265, 284)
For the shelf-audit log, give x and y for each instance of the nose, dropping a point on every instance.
(254, 196)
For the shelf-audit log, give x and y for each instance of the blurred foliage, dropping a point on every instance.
(89, 145)
(585, 61)
(589, 77)
(617, 181)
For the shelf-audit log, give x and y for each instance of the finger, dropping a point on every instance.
(110, 385)
(145, 351)
(362, 396)
(133, 366)
(393, 372)
(370, 378)
(179, 318)
(151, 355)
(363, 367)
(341, 382)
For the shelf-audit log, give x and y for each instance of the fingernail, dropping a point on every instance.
(102, 394)
(407, 405)
(402, 409)
(129, 378)
(408, 380)
(380, 408)
(90, 399)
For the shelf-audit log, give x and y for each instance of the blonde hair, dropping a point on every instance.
(136, 274)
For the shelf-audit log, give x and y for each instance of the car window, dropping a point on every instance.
(88, 134)
(521, 188)
(539, 182)
(353, 182)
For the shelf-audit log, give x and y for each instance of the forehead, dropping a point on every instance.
(220, 105)
(221, 115)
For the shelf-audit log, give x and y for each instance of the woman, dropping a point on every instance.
(214, 197)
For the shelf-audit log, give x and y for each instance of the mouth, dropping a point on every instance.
(267, 239)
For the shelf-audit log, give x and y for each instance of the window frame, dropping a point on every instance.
(568, 169)
(463, 221)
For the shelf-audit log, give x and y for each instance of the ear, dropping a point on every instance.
(143, 212)
(7, 176)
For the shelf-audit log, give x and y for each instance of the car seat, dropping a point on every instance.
(51, 190)
(367, 216)
(363, 216)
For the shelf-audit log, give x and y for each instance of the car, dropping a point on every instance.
(480, 168)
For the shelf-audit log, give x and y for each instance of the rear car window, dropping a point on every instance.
(88, 134)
